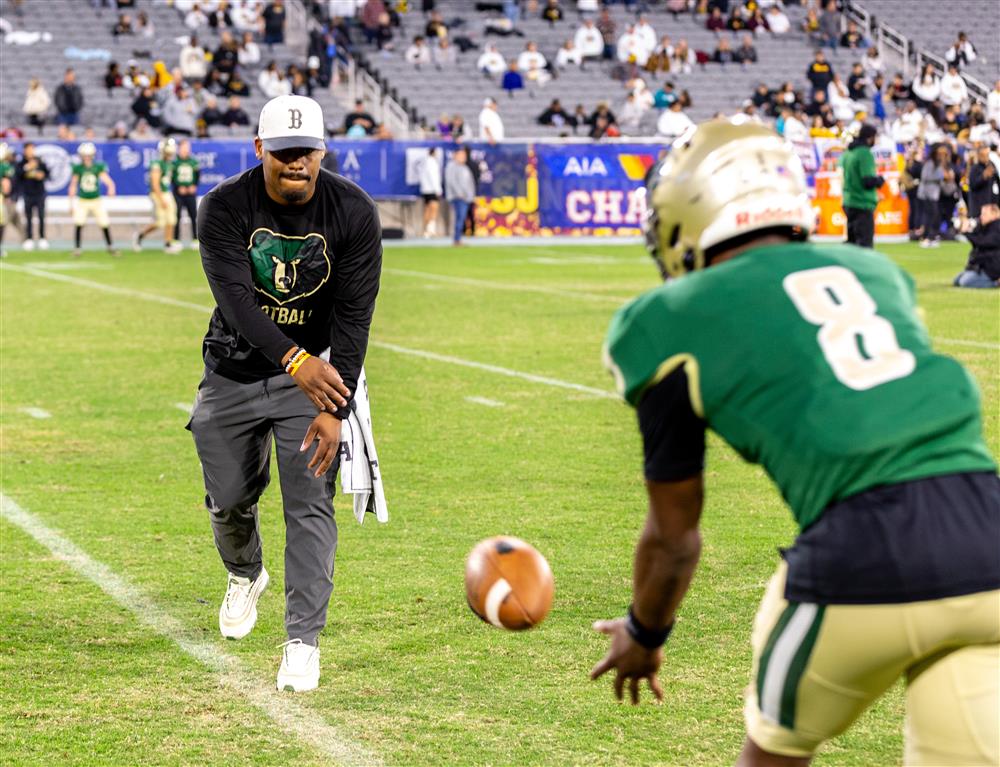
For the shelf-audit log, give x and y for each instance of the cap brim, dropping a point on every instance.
(293, 142)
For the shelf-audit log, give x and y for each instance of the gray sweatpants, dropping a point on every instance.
(233, 424)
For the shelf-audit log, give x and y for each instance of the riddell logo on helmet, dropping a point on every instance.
(767, 216)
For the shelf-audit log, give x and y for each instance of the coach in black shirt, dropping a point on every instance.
(293, 256)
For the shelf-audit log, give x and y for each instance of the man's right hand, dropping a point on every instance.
(322, 384)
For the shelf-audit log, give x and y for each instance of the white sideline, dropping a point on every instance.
(485, 401)
(36, 412)
(472, 282)
(284, 711)
(184, 407)
(556, 382)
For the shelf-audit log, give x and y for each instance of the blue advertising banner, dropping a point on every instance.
(594, 186)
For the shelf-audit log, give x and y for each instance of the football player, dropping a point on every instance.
(161, 171)
(811, 360)
(85, 196)
(6, 186)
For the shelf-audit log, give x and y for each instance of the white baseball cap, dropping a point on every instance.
(288, 122)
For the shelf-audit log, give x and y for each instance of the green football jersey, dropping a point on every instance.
(810, 360)
(6, 171)
(166, 171)
(88, 180)
(186, 172)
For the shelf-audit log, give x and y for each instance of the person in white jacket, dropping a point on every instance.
(37, 103)
(530, 58)
(632, 48)
(926, 86)
(589, 41)
(568, 55)
(491, 62)
(993, 103)
(272, 82)
(192, 60)
(431, 189)
(954, 91)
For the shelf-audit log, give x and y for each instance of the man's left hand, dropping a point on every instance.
(326, 429)
(631, 661)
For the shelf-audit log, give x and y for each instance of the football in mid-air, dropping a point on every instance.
(508, 583)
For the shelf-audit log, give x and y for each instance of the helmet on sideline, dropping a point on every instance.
(86, 149)
(167, 147)
(722, 180)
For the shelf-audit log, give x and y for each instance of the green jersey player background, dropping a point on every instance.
(85, 196)
(186, 173)
(810, 360)
(6, 187)
(161, 171)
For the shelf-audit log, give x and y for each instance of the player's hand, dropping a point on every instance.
(326, 429)
(322, 384)
(631, 661)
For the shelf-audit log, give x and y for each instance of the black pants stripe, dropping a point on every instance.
(37, 205)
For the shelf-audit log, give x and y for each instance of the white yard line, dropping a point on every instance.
(518, 288)
(485, 401)
(286, 712)
(142, 295)
(184, 407)
(960, 342)
(36, 412)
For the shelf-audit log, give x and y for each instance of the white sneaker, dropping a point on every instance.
(136, 242)
(238, 613)
(29, 244)
(43, 244)
(174, 247)
(925, 243)
(935, 243)
(299, 670)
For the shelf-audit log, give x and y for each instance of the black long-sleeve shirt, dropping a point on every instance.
(282, 276)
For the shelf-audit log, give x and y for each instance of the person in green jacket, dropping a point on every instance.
(860, 184)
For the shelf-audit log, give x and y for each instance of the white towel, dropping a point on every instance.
(359, 470)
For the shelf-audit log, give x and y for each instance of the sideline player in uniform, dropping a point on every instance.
(186, 174)
(810, 359)
(6, 187)
(293, 255)
(85, 196)
(164, 207)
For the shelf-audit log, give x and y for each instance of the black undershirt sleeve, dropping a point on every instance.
(359, 268)
(224, 259)
(673, 436)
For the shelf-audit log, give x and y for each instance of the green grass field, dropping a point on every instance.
(110, 349)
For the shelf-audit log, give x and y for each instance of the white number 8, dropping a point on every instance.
(859, 345)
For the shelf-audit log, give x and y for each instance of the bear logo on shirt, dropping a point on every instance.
(287, 268)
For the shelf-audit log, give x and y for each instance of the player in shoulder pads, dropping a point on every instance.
(164, 206)
(811, 360)
(85, 196)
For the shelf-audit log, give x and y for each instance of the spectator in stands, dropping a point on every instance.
(723, 53)
(852, 37)
(588, 40)
(746, 53)
(586, 6)
(436, 28)
(419, 54)
(898, 91)
(631, 114)
(684, 58)
(932, 178)
(193, 62)
(673, 122)
(829, 25)
(141, 132)
(791, 127)
(429, 174)
(568, 55)
(68, 100)
(211, 114)
(777, 21)
(646, 33)
(954, 91)
(602, 128)
(235, 86)
(219, 18)
(443, 125)
(491, 127)
(762, 99)
(460, 129)
(272, 82)
(214, 83)
(274, 23)
(145, 107)
(37, 103)
(736, 21)
(993, 103)
(786, 96)
(962, 52)
(659, 59)
(30, 178)
(951, 122)
(556, 116)
(444, 54)
(819, 73)
(113, 77)
(118, 132)
(179, 113)
(926, 87)
(983, 267)
(248, 54)
(872, 63)
(601, 120)
(820, 106)
(530, 57)
(227, 55)
(235, 115)
(123, 27)
(460, 190)
(631, 48)
(811, 26)
(359, 116)
(246, 17)
(552, 12)
(984, 188)
(195, 18)
(716, 22)
(491, 63)
(512, 79)
(857, 82)
(144, 27)
(665, 96)
(607, 27)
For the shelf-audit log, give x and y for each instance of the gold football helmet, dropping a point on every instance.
(721, 180)
(167, 147)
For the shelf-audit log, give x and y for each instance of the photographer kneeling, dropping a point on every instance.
(983, 268)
